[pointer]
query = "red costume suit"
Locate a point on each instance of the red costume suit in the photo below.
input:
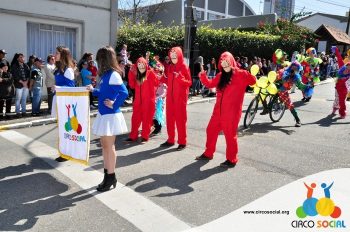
(178, 79)
(228, 108)
(144, 100)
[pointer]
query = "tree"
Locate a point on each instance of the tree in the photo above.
(139, 10)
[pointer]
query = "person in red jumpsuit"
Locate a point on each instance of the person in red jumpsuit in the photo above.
(231, 83)
(144, 81)
(178, 79)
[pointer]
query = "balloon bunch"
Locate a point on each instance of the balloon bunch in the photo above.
(265, 83)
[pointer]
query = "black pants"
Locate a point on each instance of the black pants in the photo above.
(8, 105)
(91, 100)
(50, 95)
(157, 126)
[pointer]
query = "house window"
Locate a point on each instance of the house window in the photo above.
(42, 39)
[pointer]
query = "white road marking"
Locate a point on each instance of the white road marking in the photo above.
(138, 210)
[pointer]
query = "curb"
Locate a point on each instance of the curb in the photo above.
(46, 121)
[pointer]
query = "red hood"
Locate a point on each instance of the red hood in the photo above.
(180, 56)
(229, 57)
(143, 61)
(140, 60)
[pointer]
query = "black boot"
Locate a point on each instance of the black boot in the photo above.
(104, 178)
(110, 180)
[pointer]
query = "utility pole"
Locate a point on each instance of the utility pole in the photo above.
(347, 29)
(113, 23)
(189, 30)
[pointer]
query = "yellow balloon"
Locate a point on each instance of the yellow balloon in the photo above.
(254, 69)
(262, 82)
(272, 89)
(74, 122)
(272, 76)
(256, 90)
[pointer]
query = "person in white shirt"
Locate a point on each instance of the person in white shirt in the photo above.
(49, 77)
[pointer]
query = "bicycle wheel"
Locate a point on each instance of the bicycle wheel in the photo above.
(251, 112)
(277, 109)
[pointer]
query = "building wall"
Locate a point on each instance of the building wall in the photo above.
(315, 21)
(171, 11)
(244, 22)
(168, 14)
(283, 8)
(91, 19)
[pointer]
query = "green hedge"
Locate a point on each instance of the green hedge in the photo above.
(212, 42)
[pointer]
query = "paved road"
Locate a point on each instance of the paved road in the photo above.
(175, 191)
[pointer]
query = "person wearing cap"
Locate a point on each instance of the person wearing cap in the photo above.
(7, 90)
(36, 83)
(20, 72)
(3, 59)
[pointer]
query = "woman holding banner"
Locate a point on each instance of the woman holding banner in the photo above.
(64, 76)
(109, 121)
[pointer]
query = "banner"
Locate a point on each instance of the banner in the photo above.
(73, 120)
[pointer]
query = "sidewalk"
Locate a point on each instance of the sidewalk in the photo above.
(45, 118)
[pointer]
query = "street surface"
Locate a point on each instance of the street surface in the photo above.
(162, 189)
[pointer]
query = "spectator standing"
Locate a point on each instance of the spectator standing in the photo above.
(198, 66)
(211, 67)
(7, 90)
(87, 77)
(36, 83)
(124, 53)
(3, 59)
(20, 72)
(49, 77)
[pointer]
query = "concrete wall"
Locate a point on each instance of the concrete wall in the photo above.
(316, 21)
(90, 18)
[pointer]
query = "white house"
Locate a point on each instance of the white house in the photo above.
(38, 26)
(314, 21)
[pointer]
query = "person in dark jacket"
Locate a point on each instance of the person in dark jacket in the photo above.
(3, 58)
(7, 89)
(20, 72)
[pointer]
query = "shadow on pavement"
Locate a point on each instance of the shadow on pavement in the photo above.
(328, 121)
(179, 181)
(25, 198)
(261, 128)
(134, 158)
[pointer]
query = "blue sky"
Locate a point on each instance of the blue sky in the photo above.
(337, 7)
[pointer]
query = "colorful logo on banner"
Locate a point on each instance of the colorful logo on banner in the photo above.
(323, 206)
(72, 122)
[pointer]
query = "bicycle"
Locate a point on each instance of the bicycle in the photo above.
(275, 107)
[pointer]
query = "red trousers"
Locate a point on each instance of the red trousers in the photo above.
(342, 92)
(176, 115)
(141, 116)
(230, 131)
